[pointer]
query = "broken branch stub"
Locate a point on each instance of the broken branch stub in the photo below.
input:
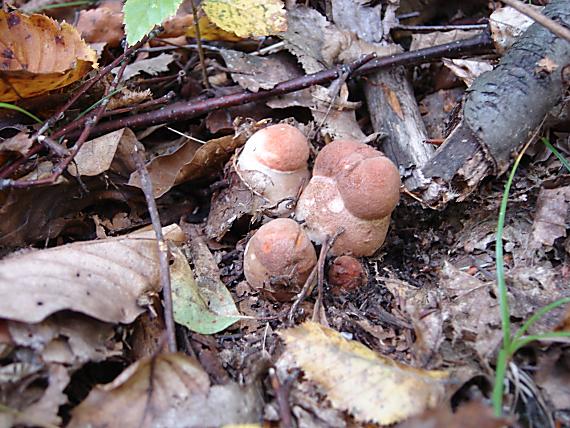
(501, 111)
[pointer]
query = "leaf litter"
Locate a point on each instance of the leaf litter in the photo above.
(82, 330)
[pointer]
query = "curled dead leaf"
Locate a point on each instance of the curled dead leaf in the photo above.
(39, 55)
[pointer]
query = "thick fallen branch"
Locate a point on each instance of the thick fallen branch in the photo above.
(501, 111)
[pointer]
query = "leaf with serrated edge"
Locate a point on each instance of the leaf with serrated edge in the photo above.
(247, 18)
(142, 15)
(387, 391)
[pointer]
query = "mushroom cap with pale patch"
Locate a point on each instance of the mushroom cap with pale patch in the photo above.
(352, 193)
(273, 162)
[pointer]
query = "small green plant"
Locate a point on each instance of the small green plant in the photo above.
(512, 343)
(21, 110)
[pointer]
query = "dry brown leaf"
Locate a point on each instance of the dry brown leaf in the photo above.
(101, 25)
(39, 55)
(151, 66)
(387, 391)
(254, 72)
(108, 279)
(97, 155)
(31, 406)
(67, 338)
(192, 161)
(166, 391)
(471, 415)
(551, 215)
(21, 143)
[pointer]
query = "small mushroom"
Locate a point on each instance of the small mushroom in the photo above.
(353, 191)
(346, 274)
(273, 163)
(279, 258)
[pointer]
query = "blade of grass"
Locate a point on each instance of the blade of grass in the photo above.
(525, 340)
(561, 158)
(21, 110)
(501, 370)
(59, 5)
(539, 314)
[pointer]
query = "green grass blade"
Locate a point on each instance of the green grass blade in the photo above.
(539, 314)
(21, 110)
(561, 158)
(525, 340)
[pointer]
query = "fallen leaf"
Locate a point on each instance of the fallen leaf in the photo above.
(97, 155)
(101, 25)
(507, 24)
(21, 143)
(107, 279)
(165, 391)
(427, 40)
(39, 55)
(150, 66)
(551, 215)
(201, 302)
(44, 408)
(210, 31)
(467, 69)
(388, 391)
(247, 18)
(470, 415)
(66, 338)
(254, 72)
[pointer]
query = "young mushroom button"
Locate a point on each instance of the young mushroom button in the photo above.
(273, 163)
(353, 191)
(279, 257)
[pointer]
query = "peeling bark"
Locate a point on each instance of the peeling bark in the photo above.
(501, 111)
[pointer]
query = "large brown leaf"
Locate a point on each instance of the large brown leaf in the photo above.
(104, 279)
(39, 55)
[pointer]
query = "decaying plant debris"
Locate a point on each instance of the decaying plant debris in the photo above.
(180, 247)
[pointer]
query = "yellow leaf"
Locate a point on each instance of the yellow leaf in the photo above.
(210, 31)
(39, 55)
(356, 379)
(247, 18)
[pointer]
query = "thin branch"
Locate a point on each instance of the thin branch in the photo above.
(199, 43)
(543, 20)
(146, 186)
(185, 110)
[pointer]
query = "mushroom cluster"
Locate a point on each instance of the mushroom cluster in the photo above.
(353, 191)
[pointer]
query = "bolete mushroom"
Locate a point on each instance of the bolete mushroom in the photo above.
(273, 163)
(279, 258)
(353, 191)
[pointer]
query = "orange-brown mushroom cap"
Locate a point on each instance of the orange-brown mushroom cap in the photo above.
(340, 155)
(280, 250)
(371, 190)
(280, 147)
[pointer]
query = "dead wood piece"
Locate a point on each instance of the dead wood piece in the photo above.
(501, 111)
(390, 97)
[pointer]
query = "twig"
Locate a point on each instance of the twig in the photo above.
(61, 167)
(282, 396)
(321, 275)
(146, 186)
(543, 20)
(188, 110)
(301, 296)
(429, 28)
(199, 43)
(6, 172)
